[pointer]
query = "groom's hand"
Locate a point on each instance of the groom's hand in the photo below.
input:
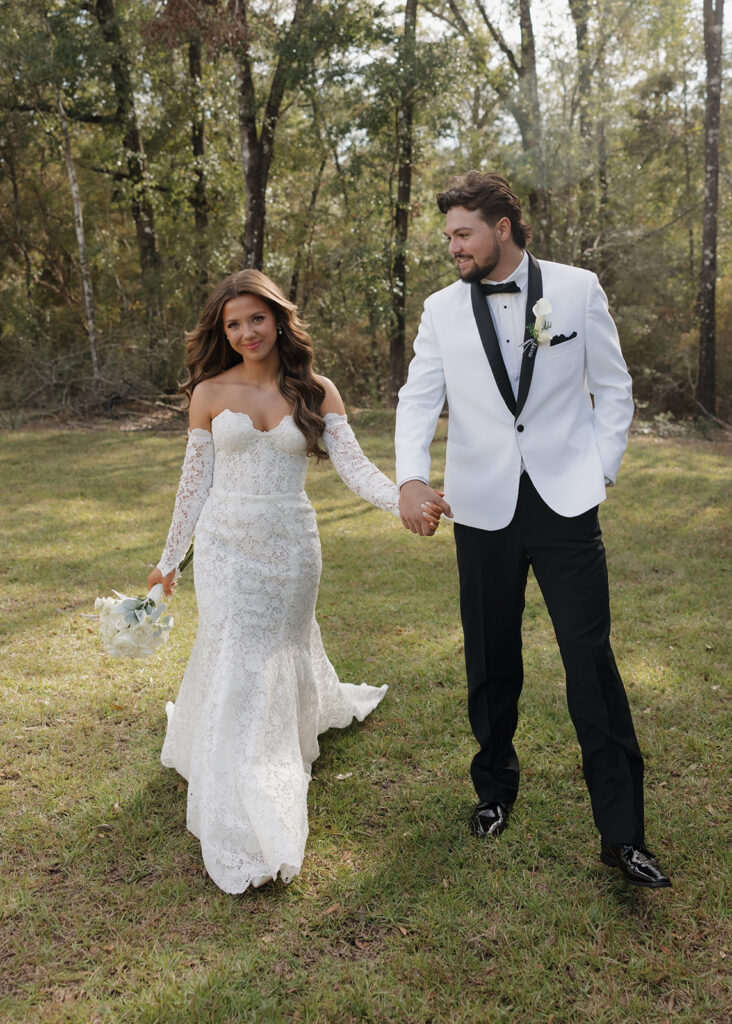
(414, 497)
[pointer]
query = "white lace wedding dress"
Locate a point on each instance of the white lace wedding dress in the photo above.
(258, 688)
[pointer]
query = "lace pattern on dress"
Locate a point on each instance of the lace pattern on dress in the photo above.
(354, 469)
(259, 688)
(195, 483)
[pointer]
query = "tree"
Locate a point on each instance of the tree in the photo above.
(404, 142)
(50, 53)
(351, 129)
(580, 11)
(706, 382)
(190, 23)
(143, 211)
(86, 282)
(257, 140)
(517, 87)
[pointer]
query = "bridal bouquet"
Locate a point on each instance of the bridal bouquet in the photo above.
(135, 627)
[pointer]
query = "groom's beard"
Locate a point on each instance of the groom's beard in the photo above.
(473, 271)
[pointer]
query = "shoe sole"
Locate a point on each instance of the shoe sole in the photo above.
(486, 835)
(482, 834)
(611, 863)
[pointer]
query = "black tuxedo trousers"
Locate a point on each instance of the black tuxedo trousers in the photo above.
(568, 559)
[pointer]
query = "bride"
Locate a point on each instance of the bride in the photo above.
(258, 688)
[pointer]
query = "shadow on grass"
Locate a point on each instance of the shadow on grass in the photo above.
(398, 913)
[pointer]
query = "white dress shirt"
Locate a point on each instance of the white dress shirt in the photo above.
(508, 310)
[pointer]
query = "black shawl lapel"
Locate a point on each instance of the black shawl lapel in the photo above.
(487, 331)
(533, 294)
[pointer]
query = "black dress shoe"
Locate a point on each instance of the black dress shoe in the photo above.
(489, 818)
(637, 865)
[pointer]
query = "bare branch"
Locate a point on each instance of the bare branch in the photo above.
(44, 107)
(499, 40)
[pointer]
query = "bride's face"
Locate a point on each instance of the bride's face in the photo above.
(250, 327)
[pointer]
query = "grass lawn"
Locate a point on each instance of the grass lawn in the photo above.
(398, 914)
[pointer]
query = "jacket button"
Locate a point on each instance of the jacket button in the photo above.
(520, 427)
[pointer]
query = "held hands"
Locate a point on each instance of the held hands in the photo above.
(157, 577)
(420, 507)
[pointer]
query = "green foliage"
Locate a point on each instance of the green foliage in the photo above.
(623, 165)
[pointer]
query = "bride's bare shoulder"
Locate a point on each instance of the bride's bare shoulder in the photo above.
(203, 401)
(222, 379)
(332, 401)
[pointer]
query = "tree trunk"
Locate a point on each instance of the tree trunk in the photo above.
(530, 86)
(198, 197)
(86, 284)
(405, 119)
(140, 203)
(257, 145)
(688, 129)
(603, 266)
(580, 10)
(255, 173)
(306, 232)
(19, 240)
(525, 109)
(706, 382)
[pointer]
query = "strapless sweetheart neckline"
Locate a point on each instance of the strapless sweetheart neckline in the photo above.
(233, 412)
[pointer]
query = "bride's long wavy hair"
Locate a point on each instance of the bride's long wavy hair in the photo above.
(208, 351)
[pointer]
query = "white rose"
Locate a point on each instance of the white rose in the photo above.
(145, 650)
(108, 632)
(117, 620)
(148, 637)
(544, 337)
(110, 621)
(104, 616)
(123, 645)
(141, 634)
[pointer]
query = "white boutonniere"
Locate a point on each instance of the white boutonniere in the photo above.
(539, 333)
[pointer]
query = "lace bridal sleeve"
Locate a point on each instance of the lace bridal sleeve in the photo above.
(354, 469)
(195, 483)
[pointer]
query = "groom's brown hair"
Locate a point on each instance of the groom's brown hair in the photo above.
(491, 195)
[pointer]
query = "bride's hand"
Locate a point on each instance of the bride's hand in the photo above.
(168, 581)
(432, 512)
(415, 498)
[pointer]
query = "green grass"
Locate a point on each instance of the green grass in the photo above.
(398, 915)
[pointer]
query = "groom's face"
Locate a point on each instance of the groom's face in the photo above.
(472, 243)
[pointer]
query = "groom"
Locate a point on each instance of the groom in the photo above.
(540, 405)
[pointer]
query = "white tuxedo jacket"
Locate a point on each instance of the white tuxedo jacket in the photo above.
(569, 423)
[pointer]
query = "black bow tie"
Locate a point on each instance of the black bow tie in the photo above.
(495, 289)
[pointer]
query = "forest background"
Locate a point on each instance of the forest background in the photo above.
(149, 148)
